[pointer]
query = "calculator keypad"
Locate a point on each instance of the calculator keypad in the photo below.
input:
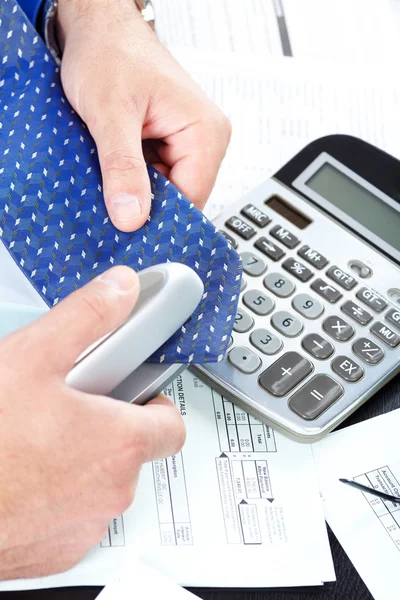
(317, 346)
(286, 323)
(315, 397)
(346, 281)
(279, 284)
(393, 316)
(288, 275)
(244, 359)
(297, 269)
(283, 235)
(266, 341)
(368, 351)
(371, 299)
(326, 291)
(255, 215)
(285, 374)
(252, 264)
(269, 249)
(258, 302)
(230, 239)
(387, 335)
(313, 257)
(243, 322)
(306, 305)
(356, 312)
(240, 227)
(347, 368)
(337, 328)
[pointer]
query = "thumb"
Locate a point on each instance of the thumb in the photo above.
(62, 334)
(126, 182)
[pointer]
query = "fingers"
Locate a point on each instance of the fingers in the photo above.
(61, 335)
(126, 184)
(153, 431)
(194, 155)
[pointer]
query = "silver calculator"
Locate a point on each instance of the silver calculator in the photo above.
(317, 330)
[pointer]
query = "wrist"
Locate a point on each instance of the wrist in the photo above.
(74, 14)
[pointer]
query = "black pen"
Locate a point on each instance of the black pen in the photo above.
(365, 488)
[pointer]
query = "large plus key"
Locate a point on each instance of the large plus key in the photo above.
(281, 377)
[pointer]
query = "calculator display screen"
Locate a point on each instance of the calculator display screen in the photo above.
(370, 211)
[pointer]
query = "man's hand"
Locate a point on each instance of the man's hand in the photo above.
(69, 462)
(127, 88)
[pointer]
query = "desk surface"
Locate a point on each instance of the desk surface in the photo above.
(348, 584)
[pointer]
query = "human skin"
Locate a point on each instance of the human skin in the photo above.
(138, 104)
(70, 461)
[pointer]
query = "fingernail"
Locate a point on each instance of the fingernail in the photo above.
(125, 207)
(122, 279)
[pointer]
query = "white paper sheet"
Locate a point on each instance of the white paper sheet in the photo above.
(359, 30)
(221, 513)
(137, 580)
(277, 107)
(367, 527)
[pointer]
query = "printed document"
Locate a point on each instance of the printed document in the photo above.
(367, 527)
(357, 30)
(277, 107)
(224, 512)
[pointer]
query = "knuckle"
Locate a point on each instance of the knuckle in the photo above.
(118, 161)
(94, 307)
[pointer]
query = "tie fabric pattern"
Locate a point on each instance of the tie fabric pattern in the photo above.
(53, 220)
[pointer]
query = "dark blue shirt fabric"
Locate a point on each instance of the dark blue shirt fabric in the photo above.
(31, 9)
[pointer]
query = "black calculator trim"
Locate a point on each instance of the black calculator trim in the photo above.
(374, 165)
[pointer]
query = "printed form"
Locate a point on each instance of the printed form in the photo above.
(277, 107)
(367, 527)
(364, 30)
(239, 506)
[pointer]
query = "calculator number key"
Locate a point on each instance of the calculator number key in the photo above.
(317, 346)
(347, 369)
(265, 341)
(385, 334)
(269, 248)
(315, 397)
(307, 306)
(337, 328)
(258, 302)
(255, 215)
(297, 269)
(279, 284)
(371, 299)
(325, 290)
(357, 313)
(287, 372)
(243, 322)
(286, 323)
(244, 360)
(368, 351)
(240, 227)
(313, 257)
(348, 282)
(283, 235)
(252, 264)
(393, 316)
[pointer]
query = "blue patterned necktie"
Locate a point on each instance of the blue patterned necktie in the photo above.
(53, 219)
